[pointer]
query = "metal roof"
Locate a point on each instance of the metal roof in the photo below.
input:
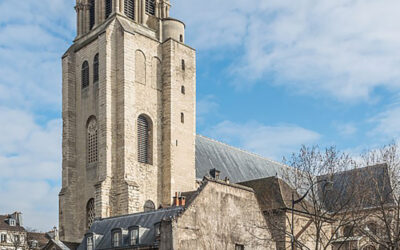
(147, 220)
(236, 164)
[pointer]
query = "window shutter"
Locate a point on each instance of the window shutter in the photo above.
(92, 13)
(96, 68)
(150, 7)
(108, 8)
(143, 140)
(130, 9)
(85, 74)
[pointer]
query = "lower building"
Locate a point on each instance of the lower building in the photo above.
(12, 234)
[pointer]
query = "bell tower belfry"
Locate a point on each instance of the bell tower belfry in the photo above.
(129, 90)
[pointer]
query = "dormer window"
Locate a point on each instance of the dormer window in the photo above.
(157, 230)
(134, 236)
(12, 222)
(89, 243)
(116, 237)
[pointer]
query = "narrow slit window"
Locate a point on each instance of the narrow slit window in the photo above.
(85, 74)
(181, 38)
(183, 65)
(130, 9)
(92, 13)
(183, 91)
(182, 118)
(96, 68)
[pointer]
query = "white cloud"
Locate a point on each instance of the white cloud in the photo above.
(346, 129)
(30, 167)
(269, 141)
(387, 123)
(341, 48)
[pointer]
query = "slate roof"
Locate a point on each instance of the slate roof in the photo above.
(234, 163)
(39, 237)
(359, 188)
(146, 220)
(273, 193)
(5, 226)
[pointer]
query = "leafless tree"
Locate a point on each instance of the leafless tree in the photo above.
(383, 224)
(328, 181)
(18, 241)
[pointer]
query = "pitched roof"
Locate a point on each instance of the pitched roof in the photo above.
(359, 188)
(39, 237)
(5, 226)
(145, 220)
(273, 193)
(234, 163)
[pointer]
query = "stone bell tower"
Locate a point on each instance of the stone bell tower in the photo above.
(129, 87)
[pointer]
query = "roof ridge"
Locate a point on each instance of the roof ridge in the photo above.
(242, 150)
(141, 213)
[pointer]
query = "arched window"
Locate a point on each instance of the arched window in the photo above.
(144, 139)
(92, 155)
(130, 9)
(92, 12)
(85, 74)
(96, 68)
(90, 213)
(149, 206)
(108, 9)
(151, 7)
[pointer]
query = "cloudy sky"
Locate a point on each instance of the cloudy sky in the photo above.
(272, 75)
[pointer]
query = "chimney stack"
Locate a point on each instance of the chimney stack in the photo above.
(179, 200)
(17, 216)
(215, 173)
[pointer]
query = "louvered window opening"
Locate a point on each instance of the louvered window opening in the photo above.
(143, 140)
(92, 142)
(108, 8)
(85, 74)
(96, 68)
(130, 9)
(90, 213)
(92, 13)
(150, 7)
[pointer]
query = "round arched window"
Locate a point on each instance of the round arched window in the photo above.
(149, 206)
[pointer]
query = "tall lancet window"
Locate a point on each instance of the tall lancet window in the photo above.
(92, 155)
(96, 68)
(92, 11)
(85, 74)
(130, 9)
(144, 129)
(90, 213)
(151, 7)
(108, 6)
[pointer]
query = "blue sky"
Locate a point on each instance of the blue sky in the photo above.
(271, 75)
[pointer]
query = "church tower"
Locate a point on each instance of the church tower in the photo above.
(129, 87)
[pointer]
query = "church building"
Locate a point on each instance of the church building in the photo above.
(135, 175)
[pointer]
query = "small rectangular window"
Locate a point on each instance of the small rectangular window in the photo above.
(183, 65)
(134, 235)
(116, 239)
(90, 243)
(239, 247)
(3, 238)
